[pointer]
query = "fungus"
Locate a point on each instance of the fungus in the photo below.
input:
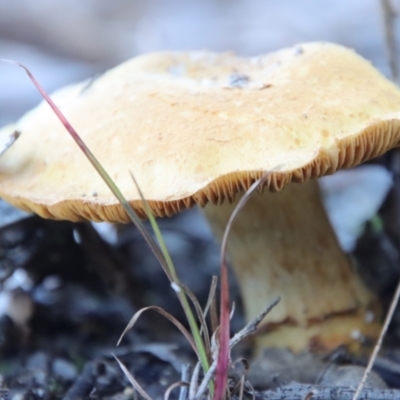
(200, 128)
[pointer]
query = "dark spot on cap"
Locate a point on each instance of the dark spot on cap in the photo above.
(238, 80)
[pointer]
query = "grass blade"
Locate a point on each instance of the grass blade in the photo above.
(165, 314)
(221, 375)
(201, 349)
(132, 380)
(201, 318)
(98, 167)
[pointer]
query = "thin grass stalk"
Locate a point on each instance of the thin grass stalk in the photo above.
(166, 315)
(202, 320)
(221, 378)
(201, 348)
(132, 380)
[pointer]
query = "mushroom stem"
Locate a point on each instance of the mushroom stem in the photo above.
(282, 244)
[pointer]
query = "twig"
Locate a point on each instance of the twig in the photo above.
(250, 328)
(184, 378)
(241, 387)
(389, 15)
(194, 381)
(378, 345)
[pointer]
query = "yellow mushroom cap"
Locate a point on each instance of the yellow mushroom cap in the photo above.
(195, 127)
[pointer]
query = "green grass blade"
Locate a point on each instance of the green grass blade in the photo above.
(181, 294)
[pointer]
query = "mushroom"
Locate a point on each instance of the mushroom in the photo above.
(200, 128)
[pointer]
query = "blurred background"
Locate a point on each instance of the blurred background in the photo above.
(64, 41)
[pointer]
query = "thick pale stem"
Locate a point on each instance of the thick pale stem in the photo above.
(282, 244)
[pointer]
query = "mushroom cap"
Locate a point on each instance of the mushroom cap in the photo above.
(195, 127)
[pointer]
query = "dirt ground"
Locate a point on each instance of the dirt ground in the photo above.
(62, 306)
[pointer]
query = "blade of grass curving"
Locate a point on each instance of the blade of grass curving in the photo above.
(202, 320)
(156, 230)
(165, 314)
(132, 380)
(221, 376)
(201, 353)
(98, 167)
(174, 386)
(201, 346)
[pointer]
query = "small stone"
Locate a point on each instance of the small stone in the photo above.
(37, 362)
(64, 369)
(276, 367)
(350, 376)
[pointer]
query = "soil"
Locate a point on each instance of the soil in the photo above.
(70, 293)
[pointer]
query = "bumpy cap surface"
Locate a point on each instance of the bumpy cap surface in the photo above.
(198, 126)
